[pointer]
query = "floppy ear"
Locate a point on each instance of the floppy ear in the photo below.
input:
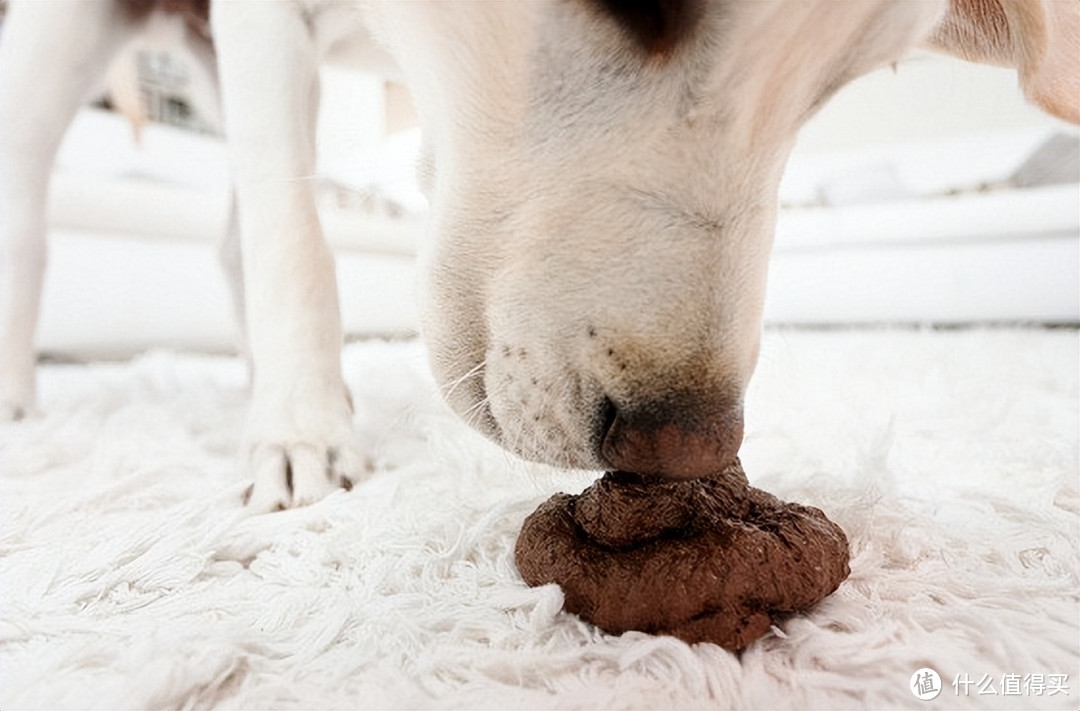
(1041, 38)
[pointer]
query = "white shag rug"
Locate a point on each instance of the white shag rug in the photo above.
(132, 577)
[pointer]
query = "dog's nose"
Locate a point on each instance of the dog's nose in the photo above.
(678, 438)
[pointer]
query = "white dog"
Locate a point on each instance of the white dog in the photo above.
(602, 177)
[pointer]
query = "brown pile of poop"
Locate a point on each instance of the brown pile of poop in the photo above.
(706, 560)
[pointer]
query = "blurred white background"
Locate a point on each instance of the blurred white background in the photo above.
(919, 195)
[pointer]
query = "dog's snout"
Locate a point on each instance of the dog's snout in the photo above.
(678, 438)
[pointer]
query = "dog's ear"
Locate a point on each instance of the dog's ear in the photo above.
(1041, 38)
(656, 26)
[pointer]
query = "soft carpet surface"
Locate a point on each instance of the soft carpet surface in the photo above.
(132, 576)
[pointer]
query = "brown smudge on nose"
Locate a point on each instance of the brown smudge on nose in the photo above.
(680, 438)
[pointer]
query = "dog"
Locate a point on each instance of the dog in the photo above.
(602, 178)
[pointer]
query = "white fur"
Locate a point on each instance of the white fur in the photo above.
(30, 134)
(578, 191)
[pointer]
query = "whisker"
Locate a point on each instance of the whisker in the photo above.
(476, 370)
(472, 410)
(471, 417)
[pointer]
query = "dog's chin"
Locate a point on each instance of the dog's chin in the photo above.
(540, 440)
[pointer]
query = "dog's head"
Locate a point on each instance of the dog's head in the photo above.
(603, 189)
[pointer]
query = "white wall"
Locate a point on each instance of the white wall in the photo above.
(926, 97)
(886, 152)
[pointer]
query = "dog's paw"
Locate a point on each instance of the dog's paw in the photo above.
(299, 454)
(299, 473)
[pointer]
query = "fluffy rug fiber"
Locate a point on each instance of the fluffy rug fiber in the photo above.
(132, 577)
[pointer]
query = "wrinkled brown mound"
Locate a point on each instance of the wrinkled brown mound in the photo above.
(706, 560)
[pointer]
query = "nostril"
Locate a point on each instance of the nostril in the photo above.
(606, 428)
(608, 414)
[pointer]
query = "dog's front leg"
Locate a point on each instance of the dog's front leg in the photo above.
(299, 440)
(52, 55)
